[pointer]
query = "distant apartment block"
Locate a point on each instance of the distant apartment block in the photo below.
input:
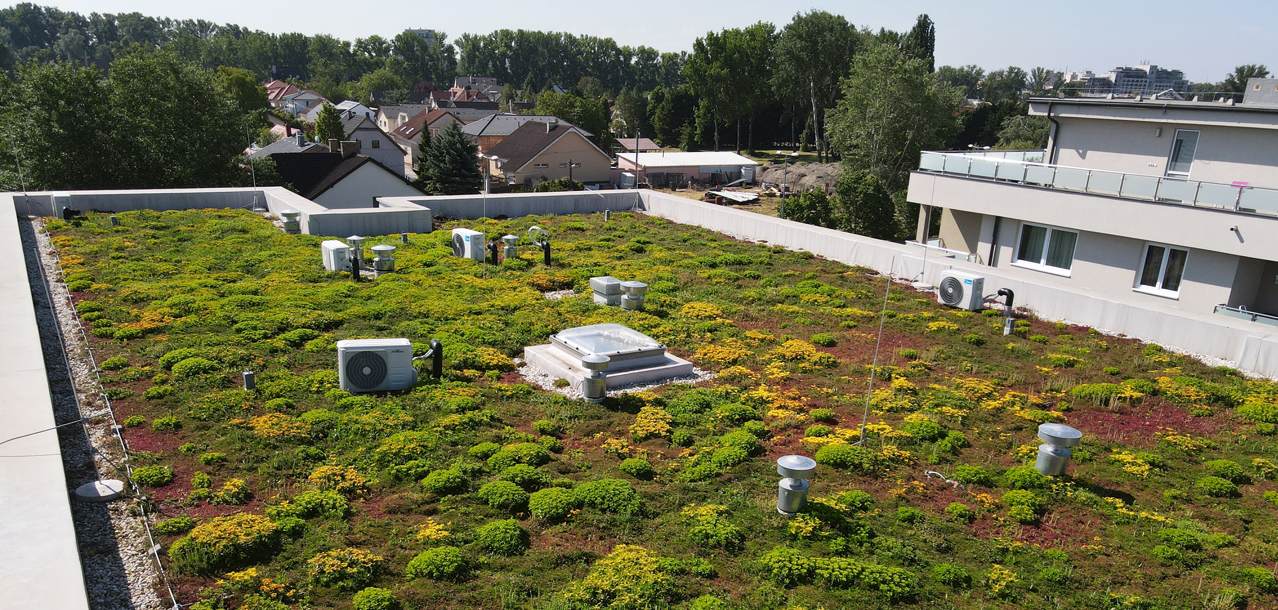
(1127, 81)
(1167, 204)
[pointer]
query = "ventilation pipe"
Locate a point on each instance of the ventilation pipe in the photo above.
(634, 295)
(383, 258)
(792, 489)
(1008, 298)
(250, 380)
(511, 251)
(115, 220)
(595, 387)
(291, 222)
(436, 355)
(357, 255)
(1054, 453)
(494, 250)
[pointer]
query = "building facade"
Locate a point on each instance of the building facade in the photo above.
(1168, 204)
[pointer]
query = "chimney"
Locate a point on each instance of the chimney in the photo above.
(551, 125)
(332, 145)
(349, 148)
(301, 139)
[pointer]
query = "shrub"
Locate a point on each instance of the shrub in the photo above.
(787, 566)
(551, 504)
(909, 514)
(483, 450)
(342, 479)
(614, 496)
(1024, 477)
(153, 476)
(742, 440)
(822, 415)
(824, 339)
(973, 339)
(311, 503)
(974, 475)
(114, 363)
(638, 468)
(503, 495)
(175, 525)
(212, 458)
(374, 598)
(234, 492)
(192, 367)
(708, 526)
(727, 457)
(960, 512)
(708, 602)
(1229, 470)
(503, 537)
(1098, 393)
(848, 457)
(1259, 411)
(133, 421)
(1216, 487)
(519, 453)
(225, 542)
(1169, 555)
(157, 392)
(856, 500)
(628, 577)
(1262, 579)
(445, 481)
(438, 563)
(527, 477)
(345, 568)
(1023, 506)
(951, 575)
(166, 423)
(650, 422)
(547, 427)
(923, 430)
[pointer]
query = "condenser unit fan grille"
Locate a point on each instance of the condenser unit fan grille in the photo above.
(366, 370)
(951, 291)
(459, 245)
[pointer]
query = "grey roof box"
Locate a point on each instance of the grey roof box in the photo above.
(605, 285)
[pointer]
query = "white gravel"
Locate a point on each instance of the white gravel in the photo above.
(119, 571)
(546, 381)
(555, 295)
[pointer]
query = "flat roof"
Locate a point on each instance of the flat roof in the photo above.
(42, 562)
(1156, 104)
(685, 159)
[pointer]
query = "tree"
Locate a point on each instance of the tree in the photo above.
(671, 112)
(920, 42)
(751, 51)
(1023, 132)
(811, 55)
(241, 86)
(968, 78)
(1041, 79)
(187, 138)
(708, 72)
(58, 116)
(1236, 81)
(630, 114)
(328, 125)
(382, 86)
(590, 114)
(419, 159)
(450, 166)
(892, 109)
(811, 206)
(1004, 85)
(865, 206)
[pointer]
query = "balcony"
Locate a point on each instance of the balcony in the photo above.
(1027, 168)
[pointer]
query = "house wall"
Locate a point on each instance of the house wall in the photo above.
(595, 166)
(960, 230)
(378, 145)
(361, 188)
(1224, 154)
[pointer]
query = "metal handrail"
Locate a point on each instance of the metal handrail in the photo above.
(1255, 316)
(1163, 189)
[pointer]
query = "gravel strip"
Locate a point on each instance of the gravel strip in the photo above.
(555, 295)
(119, 571)
(546, 381)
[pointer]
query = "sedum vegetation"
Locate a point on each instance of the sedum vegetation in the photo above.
(479, 490)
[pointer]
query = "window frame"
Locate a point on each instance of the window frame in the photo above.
(1158, 289)
(1042, 265)
(1175, 138)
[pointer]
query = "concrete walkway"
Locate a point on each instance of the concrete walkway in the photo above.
(41, 564)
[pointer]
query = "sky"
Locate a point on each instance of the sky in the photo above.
(1205, 39)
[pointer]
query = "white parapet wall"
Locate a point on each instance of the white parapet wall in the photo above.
(512, 205)
(1250, 347)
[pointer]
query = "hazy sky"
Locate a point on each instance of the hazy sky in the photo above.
(1205, 39)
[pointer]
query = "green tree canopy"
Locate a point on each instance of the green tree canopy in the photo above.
(812, 54)
(1236, 81)
(241, 86)
(450, 166)
(328, 125)
(1023, 132)
(892, 109)
(920, 41)
(865, 206)
(59, 118)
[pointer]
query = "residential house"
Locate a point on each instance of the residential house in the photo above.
(680, 168)
(391, 117)
(638, 145)
(301, 102)
(1160, 203)
(467, 111)
(293, 144)
(372, 140)
(277, 89)
(540, 151)
(409, 134)
(342, 179)
(492, 129)
(475, 88)
(346, 108)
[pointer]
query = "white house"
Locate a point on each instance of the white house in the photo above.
(346, 108)
(678, 168)
(1163, 203)
(341, 179)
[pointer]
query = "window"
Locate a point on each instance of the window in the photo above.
(1161, 270)
(1045, 249)
(377, 143)
(1182, 152)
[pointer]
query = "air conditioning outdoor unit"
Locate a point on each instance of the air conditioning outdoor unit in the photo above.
(375, 365)
(962, 290)
(337, 256)
(469, 244)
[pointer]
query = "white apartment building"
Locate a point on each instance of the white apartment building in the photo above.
(1164, 204)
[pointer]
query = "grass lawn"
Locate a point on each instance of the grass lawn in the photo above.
(481, 491)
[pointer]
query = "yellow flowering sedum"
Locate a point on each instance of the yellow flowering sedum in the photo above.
(650, 422)
(432, 531)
